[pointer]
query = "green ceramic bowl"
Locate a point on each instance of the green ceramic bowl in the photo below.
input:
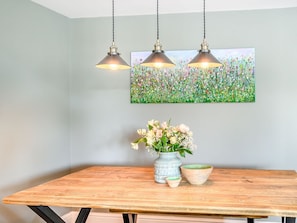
(196, 174)
(173, 181)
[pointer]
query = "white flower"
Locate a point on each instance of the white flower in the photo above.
(153, 122)
(134, 146)
(150, 137)
(173, 140)
(141, 132)
(164, 125)
(183, 128)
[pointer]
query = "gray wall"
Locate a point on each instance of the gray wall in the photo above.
(34, 96)
(261, 134)
(47, 62)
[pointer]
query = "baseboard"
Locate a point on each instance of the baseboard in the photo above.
(96, 217)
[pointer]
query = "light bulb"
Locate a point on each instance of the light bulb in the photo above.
(113, 66)
(204, 65)
(158, 65)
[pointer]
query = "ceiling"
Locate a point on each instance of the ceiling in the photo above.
(102, 8)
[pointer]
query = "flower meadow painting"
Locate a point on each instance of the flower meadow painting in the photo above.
(232, 82)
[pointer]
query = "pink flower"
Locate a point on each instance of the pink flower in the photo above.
(159, 133)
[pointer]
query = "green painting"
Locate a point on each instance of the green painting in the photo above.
(232, 82)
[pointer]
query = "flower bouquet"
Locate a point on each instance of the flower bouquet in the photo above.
(163, 137)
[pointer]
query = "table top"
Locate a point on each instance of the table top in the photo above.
(229, 192)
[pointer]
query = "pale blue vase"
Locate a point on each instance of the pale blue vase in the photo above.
(167, 165)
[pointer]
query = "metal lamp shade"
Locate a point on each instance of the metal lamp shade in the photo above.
(112, 62)
(157, 59)
(204, 60)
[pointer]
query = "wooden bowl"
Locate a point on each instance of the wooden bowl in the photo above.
(196, 174)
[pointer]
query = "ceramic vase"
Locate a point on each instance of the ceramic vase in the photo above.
(167, 165)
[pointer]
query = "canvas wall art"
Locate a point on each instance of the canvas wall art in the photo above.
(233, 82)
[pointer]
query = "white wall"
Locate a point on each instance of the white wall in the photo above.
(260, 134)
(34, 111)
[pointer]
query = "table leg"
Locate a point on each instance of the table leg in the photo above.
(49, 216)
(83, 215)
(289, 219)
(250, 220)
(130, 218)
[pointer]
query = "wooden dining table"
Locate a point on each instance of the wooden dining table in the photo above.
(249, 193)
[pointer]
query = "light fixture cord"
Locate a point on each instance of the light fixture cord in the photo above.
(157, 19)
(204, 18)
(112, 21)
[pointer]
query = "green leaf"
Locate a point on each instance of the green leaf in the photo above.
(182, 153)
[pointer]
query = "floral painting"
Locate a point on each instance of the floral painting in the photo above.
(232, 82)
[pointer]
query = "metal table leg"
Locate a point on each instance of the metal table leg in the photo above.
(49, 216)
(289, 219)
(83, 215)
(250, 220)
(129, 218)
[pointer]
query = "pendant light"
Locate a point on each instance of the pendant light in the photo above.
(113, 61)
(204, 59)
(157, 59)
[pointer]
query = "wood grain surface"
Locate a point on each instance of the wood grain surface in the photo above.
(228, 192)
